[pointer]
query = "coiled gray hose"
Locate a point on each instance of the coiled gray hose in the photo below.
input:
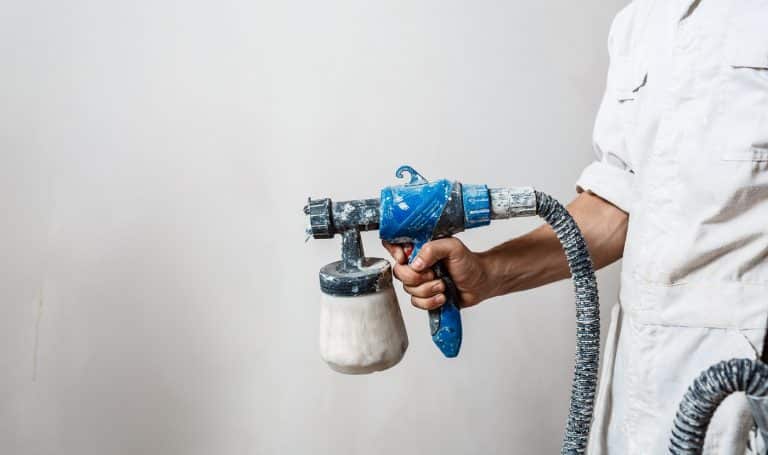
(584, 384)
(705, 395)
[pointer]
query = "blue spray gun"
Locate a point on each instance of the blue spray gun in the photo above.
(361, 326)
(417, 212)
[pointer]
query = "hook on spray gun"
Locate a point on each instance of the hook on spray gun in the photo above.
(416, 178)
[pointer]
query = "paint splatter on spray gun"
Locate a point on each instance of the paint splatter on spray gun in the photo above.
(361, 327)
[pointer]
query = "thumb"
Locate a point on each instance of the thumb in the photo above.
(434, 251)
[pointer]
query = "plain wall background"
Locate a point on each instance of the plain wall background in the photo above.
(156, 296)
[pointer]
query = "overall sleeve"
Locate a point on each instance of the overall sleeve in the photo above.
(611, 175)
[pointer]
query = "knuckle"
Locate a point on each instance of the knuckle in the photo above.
(423, 278)
(422, 290)
(415, 301)
(400, 256)
(407, 277)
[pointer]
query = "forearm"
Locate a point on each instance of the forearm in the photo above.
(536, 258)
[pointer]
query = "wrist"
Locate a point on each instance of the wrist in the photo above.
(497, 279)
(518, 264)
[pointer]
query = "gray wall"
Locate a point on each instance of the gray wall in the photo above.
(156, 296)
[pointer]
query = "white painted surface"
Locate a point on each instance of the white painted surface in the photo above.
(156, 295)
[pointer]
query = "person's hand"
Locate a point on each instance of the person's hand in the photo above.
(467, 269)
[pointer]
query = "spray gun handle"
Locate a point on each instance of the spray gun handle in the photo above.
(445, 321)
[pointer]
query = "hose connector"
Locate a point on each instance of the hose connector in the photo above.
(512, 202)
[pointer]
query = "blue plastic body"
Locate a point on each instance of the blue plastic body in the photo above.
(410, 214)
(477, 205)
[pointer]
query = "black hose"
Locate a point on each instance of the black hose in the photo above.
(705, 395)
(584, 386)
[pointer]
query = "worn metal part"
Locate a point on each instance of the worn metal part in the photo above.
(512, 202)
(584, 385)
(354, 274)
(352, 253)
(705, 395)
(320, 220)
(373, 275)
(451, 219)
(327, 218)
(359, 214)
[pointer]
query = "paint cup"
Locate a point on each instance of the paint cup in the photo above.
(361, 326)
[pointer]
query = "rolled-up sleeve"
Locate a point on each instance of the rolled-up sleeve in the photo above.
(611, 175)
(609, 182)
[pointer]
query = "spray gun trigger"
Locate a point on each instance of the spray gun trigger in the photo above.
(408, 250)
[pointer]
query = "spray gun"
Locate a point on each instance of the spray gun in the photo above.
(416, 212)
(361, 327)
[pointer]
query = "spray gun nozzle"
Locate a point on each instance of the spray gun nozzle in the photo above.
(327, 218)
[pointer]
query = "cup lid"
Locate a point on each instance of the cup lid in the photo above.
(374, 275)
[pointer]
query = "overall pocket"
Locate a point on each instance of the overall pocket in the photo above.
(746, 87)
(631, 78)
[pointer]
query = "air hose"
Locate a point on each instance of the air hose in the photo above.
(705, 395)
(584, 385)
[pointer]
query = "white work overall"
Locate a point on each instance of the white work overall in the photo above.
(682, 146)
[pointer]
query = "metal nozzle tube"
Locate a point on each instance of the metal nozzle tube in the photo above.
(327, 218)
(359, 214)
